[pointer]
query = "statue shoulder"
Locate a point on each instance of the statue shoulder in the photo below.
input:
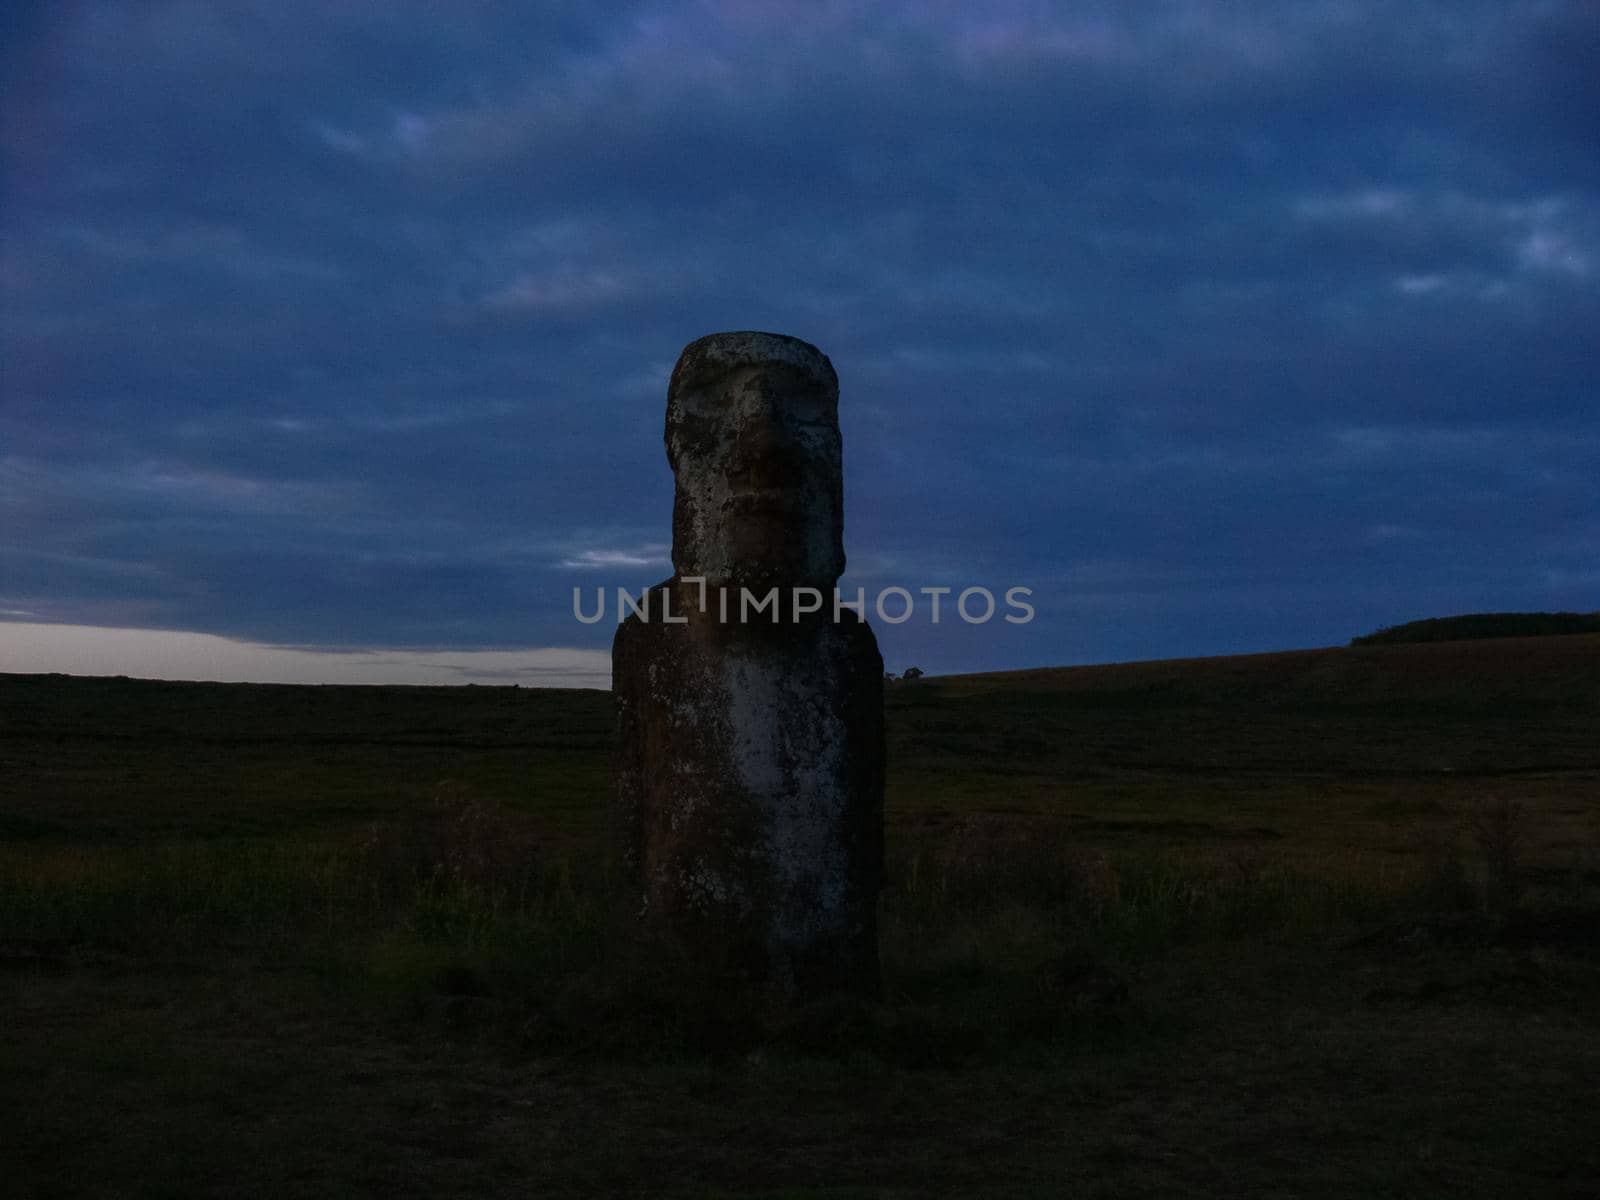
(633, 632)
(858, 636)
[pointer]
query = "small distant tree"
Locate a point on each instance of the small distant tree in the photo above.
(912, 673)
(890, 677)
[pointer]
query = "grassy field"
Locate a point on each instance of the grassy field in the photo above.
(1324, 923)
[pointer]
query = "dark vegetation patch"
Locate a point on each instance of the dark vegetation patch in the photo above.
(1483, 625)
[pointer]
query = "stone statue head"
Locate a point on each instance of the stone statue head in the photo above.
(753, 439)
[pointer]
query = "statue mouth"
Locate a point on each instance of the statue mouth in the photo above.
(763, 500)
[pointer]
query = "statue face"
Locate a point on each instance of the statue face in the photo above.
(753, 438)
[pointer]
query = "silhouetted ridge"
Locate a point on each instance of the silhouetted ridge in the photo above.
(1482, 625)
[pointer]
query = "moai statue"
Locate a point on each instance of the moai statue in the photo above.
(749, 788)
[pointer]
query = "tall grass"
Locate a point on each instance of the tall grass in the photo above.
(991, 935)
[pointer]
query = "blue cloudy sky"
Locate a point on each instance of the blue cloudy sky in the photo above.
(1222, 326)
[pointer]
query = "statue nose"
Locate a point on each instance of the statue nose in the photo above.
(766, 453)
(764, 426)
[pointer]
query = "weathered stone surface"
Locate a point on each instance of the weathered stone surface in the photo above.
(749, 780)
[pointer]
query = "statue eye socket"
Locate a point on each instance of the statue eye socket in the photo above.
(704, 402)
(801, 405)
(808, 408)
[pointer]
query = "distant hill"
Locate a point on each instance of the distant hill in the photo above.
(1480, 708)
(1483, 625)
(1471, 678)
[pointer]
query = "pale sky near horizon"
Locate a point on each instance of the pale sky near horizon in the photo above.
(1223, 325)
(27, 648)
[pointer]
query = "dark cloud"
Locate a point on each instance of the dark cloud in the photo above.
(1223, 326)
